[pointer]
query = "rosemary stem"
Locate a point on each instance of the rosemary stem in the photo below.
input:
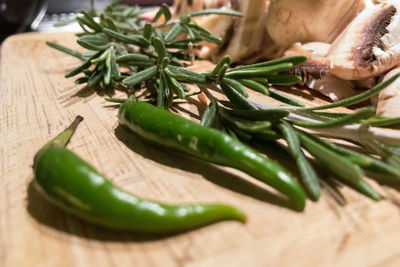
(210, 96)
(361, 134)
(355, 132)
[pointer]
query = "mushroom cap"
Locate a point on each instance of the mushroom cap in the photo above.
(246, 36)
(305, 21)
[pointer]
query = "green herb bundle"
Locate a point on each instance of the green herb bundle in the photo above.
(155, 55)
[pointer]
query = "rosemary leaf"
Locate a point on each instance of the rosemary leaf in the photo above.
(332, 161)
(164, 10)
(140, 76)
(66, 50)
(259, 114)
(255, 86)
(236, 98)
(215, 12)
(259, 72)
(209, 114)
(236, 85)
(284, 98)
(81, 67)
(135, 39)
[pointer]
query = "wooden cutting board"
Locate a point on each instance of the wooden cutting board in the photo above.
(37, 102)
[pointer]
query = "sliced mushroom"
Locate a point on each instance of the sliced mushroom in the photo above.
(316, 66)
(246, 34)
(267, 30)
(219, 26)
(305, 21)
(319, 49)
(216, 24)
(370, 45)
(244, 39)
(370, 3)
(365, 83)
(389, 98)
(316, 71)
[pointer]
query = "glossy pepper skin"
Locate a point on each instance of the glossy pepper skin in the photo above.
(167, 129)
(75, 186)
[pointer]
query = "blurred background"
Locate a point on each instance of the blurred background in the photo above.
(66, 6)
(18, 16)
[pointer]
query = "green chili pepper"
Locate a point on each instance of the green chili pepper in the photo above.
(165, 128)
(76, 187)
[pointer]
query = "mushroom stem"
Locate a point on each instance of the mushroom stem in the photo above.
(389, 98)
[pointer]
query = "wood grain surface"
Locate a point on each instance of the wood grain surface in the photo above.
(37, 102)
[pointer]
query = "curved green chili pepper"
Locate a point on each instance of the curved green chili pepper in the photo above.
(165, 128)
(76, 187)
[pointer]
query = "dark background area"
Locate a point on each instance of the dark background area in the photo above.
(24, 15)
(67, 6)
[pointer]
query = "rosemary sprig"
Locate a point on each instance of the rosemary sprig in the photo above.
(155, 55)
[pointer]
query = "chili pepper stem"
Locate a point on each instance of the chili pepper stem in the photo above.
(63, 137)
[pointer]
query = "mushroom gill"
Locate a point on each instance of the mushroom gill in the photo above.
(370, 45)
(315, 72)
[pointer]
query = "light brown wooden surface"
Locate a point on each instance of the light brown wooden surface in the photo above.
(37, 102)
